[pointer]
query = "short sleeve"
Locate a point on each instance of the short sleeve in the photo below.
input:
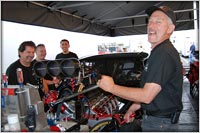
(160, 70)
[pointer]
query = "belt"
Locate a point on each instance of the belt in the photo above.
(173, 116)
(156, 114)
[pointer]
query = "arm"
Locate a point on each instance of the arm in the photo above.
(45, 86)
(134, 107)
(141, 95)
(54, 81)
(46, 82)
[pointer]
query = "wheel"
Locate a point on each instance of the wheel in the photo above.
(106, 126)
(195, 90)
(99, 126)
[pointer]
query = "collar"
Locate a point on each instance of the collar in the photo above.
(162, 43)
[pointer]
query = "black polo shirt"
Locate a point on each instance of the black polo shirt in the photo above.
(27, 74)
(164, 68)
(69, 55)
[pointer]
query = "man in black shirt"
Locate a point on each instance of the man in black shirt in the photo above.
(64, 44)
(48, 81)
(160, 95)
(26, 53)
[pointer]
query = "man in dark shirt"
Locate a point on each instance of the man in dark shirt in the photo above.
(160, 95)
(48, 81)
(64, 44)
(26, 53)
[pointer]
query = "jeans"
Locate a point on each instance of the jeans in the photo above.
(157, 124)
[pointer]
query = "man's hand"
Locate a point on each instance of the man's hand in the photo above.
(56, 81)
(106, 83)
(131, 110)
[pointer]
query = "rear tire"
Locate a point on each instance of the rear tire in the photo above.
(99, 126)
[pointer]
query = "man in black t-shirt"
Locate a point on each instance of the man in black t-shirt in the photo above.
(160, 95)
(64, 45)
(26, 53)
(48, 81)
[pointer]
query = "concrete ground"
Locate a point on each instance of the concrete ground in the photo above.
(189, 118)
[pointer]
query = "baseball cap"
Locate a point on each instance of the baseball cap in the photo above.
(168, 11)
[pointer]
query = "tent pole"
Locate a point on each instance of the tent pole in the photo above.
(196, 26)
(143, 15)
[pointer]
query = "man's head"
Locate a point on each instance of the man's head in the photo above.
(161, 24)
(40, 52)
(168, 11)
(64, 45)
(26, 52)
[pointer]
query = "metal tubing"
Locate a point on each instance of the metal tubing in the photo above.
(73, 95)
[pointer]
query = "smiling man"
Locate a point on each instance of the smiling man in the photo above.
(160, 95)
(26, 53)
(64, 45)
